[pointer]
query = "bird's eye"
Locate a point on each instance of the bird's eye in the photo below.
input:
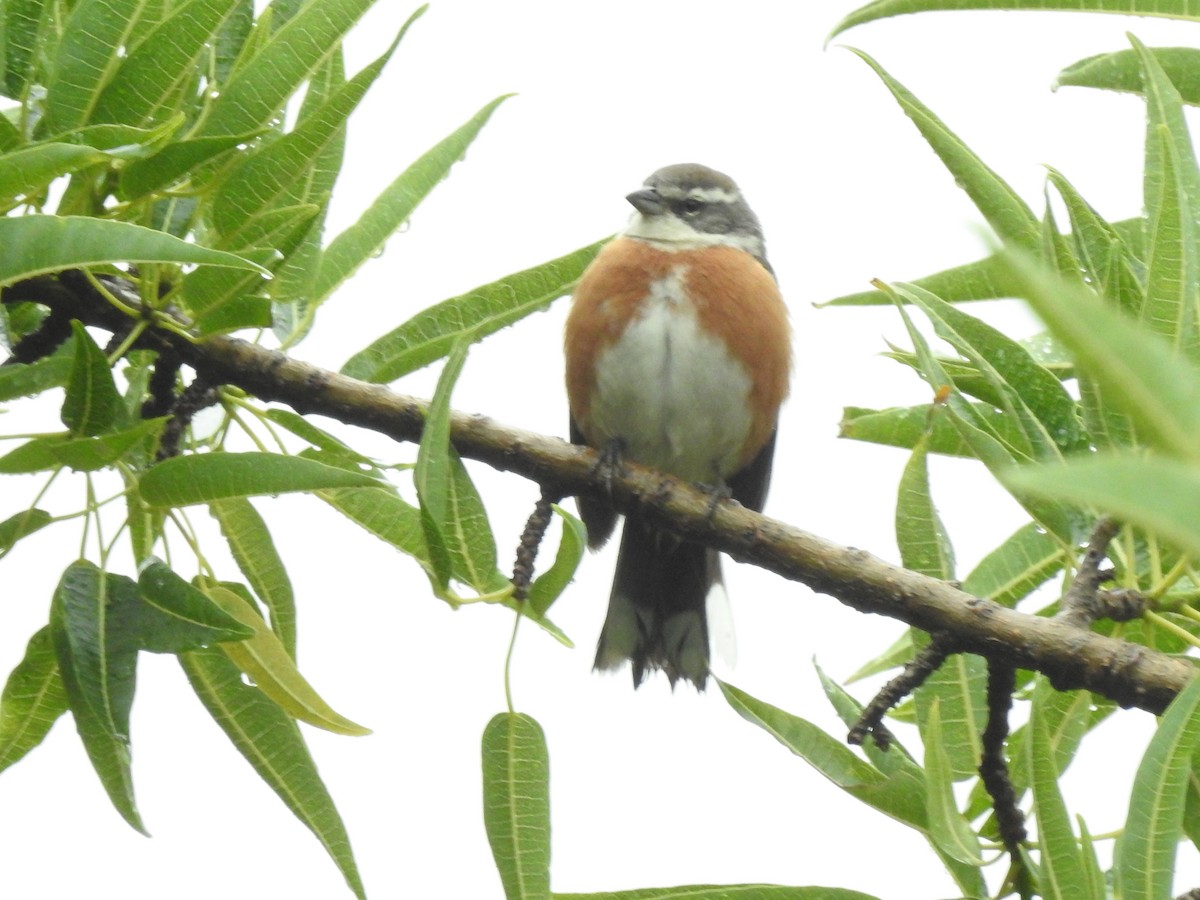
(692, 205)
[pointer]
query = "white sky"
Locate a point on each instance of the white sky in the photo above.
(648, 789)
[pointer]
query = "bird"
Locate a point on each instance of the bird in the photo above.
(678, 357)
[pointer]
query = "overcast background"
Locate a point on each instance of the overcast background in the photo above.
(652, 788)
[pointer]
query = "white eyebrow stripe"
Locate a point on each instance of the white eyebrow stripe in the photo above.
(708, 195)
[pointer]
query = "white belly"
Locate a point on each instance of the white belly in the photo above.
(676, 396)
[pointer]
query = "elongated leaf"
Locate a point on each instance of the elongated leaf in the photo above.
(1004, 210)
(92, 404)
(1156, 493)
(976, 432)
(18, 41)
(270, 176)
(188, 619)
(516, 804)
(894, 762)
(392, 208)
(1122, 71)
(22, 525)
(431, 333)
(1172, 188)
(264, 659)
(1138, 370)
(1025, 560)
(384, 514)
(1029, 393)
(433, 476)
(95, 643)
(903, 426)
(947, 828)
(34, 245)
(86, 58)
(548, 586)
(922, 538)
(270, 741)
(882, 9)
(900, 795)
(254, 551)
(26, 172)
(33, 699)
(257, 90)
(201, 478)
(173, 162)
(1144, 859)
(148, 82)
(83, 454)
(1062, 873)
(1101, 249)
(25, 380)
(985, 279)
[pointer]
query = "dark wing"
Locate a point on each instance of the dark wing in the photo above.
(749, 485)
(599, 517)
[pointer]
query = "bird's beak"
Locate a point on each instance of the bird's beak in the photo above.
(647, 202)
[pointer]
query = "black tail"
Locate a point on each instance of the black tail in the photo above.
(657, 611)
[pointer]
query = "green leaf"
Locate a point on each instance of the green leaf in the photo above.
(254, 551)
(270, 741)
(86, 58)
(1159, 494)
(392, 208)
(19, 27)
(1009, 573)
(1031, 395)
(384, 514)
(1097, 884)
(83, 454)
(1122, 71)
(22, 525)
(1171, 188)
(1062, 872)
(882, 9)
(1004, 210)
(1137, 369)
(258, 89)
(976, 431)
(150, 82)
(276, 173)
(900, 795)
(188, 619)
(27, 379)
(1144, 858)
(433, 476)
(95, 641)
(265, 660)
(903, 426)
(516, 804)
(173, 162)
(894, 762)
(201, 478)
(92, 404)
(548, 586)
(947, 827)
(34, 245)
(33, 699)
(1101, 249)
(431, 333)
(224, 299)
(26, 172)
(922, 538)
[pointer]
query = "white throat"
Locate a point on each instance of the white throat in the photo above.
(672, 233)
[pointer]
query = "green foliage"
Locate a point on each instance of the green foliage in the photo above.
(164, 159)
(175, 162)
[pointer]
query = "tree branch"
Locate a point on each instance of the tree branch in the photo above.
(1130, 674)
